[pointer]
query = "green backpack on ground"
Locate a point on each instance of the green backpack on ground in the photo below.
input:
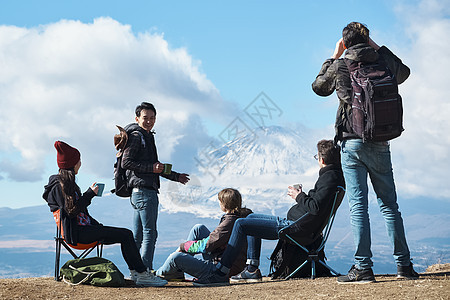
(96, 271)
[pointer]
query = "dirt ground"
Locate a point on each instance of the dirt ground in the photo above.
(433, 284)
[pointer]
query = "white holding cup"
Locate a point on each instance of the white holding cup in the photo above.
(297, 186)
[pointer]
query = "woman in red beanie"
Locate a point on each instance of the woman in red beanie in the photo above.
(62, 193)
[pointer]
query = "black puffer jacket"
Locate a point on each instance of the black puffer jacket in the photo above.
(53, 196)
(138, 158)
(334, 75)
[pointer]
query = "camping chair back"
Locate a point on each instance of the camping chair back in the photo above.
(60, 241)
(295, 233)
(339, 196)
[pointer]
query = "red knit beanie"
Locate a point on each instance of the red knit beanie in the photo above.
(67, 156)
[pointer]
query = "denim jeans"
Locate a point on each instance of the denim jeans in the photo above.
(145, 203)
(360, 159)
(253, 228)
(199, 232)
(180, 262)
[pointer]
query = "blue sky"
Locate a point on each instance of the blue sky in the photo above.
(71, 70)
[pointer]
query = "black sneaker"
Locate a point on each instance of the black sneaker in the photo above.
(406, 272)
(212, 279)
(357, 276)
(247, 276)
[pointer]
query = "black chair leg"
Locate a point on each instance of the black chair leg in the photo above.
(330, 268)
(57, 258)
(313, 269)
(100, 250)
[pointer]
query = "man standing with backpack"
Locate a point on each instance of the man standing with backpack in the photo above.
(143, 169)
(365, 106)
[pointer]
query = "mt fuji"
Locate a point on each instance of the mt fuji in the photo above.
(260, 164)
(268, 150)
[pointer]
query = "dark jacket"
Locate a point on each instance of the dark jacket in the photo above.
(217, 241)
(138, 158)
(53, 196)
(318, 201)
(334, 75)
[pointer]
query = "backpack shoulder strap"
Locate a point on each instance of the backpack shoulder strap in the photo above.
(141, 136)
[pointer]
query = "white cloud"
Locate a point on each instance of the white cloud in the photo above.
(421, 155)
(74, 81)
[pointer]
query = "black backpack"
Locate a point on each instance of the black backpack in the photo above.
(121, 187)
(377, 111)
(287, 257)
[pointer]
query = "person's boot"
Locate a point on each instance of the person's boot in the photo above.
(407, 272)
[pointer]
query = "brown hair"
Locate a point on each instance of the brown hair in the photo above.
(329, 152)
(231, 200)
(69, 190)
(355, 33)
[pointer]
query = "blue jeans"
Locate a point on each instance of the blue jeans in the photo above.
(178, 262)
(374, 159)
(199, 232)
(253, 228)
(145, 203)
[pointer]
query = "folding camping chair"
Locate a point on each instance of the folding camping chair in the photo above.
(295, 233)
(59, 239)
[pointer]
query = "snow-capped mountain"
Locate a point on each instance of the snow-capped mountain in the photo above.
(260, 164)
(267, 150)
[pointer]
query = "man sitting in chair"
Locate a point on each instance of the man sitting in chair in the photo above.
(255, 227)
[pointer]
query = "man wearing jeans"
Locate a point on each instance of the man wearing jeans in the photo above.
(361, 158)
(140, 159)
(318, 202)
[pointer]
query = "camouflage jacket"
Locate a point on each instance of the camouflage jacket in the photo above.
(334, 75)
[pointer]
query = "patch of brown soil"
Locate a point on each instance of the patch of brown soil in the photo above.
(434, 284)
(438, 268)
